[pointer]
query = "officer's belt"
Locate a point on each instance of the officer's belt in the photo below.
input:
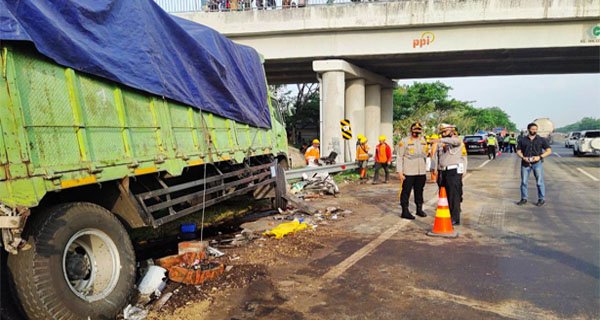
(452, 167)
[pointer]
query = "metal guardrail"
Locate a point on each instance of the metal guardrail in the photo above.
(333, 168)
(297, 173)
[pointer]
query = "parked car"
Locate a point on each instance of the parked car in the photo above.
(572, 138)
(475, 144)
(588, 142)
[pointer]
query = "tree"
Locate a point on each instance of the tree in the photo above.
(431, 104)
(586, 123)
(300, 107)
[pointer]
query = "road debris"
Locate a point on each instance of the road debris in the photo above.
(134, 313)
(162, 301)
(286, 228)
(319, 183)
(152, 280)
(192, 265)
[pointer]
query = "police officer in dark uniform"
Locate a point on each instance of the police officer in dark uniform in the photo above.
(451, 166)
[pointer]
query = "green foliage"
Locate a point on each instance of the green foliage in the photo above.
(431, 104)
(586, 123)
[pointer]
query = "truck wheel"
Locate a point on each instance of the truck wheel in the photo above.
(81, 264)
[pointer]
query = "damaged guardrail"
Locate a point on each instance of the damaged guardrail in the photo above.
(332, 168)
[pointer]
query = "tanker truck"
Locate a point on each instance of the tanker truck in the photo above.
(115, 116)
(545, 128)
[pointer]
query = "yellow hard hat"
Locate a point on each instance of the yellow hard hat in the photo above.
(316, 141)
(382, 138)
(362, 139)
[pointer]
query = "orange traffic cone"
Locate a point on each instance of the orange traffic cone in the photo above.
(442, 225)
(433, 177)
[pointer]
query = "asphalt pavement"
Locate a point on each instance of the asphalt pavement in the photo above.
(509, 262)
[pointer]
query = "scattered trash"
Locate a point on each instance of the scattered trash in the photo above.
(228, 268)
(188, 231)
(198, 247)
(134, 313)
(212, 252)
(152, 280)
(286, 228)
(161, 302)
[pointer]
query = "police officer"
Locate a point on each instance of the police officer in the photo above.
(451, 166)
(411, 168)
(491, 145)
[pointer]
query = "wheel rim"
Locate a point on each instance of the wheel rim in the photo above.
(91, 264)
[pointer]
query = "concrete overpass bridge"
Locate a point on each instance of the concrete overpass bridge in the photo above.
(355, 50)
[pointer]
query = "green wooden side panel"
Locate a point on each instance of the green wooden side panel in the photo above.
(62, 129)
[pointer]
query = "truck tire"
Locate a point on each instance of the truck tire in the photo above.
(81, 264)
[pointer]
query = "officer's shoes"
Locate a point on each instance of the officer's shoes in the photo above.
(455, 223)
(407, 216)
(522, 202)
(540, 203)
(421, 213)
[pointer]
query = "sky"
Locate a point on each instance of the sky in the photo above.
(564, 99)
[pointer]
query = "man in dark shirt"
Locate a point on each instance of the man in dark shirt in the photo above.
(532, 149)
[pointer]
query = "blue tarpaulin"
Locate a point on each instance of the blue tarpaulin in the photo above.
(136, 43)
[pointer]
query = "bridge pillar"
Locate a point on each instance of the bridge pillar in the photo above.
(360, 102)
(333, 89)
(373, 113)
(387, 115)
(355, 112)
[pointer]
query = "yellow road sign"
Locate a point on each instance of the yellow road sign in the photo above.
(346, 129)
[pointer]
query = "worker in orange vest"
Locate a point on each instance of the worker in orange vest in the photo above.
(383, 159)
(313, 154)
(362, 156)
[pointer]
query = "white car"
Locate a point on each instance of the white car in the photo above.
(572, 138)
(588, 142)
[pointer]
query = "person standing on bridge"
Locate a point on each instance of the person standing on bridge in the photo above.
(383, 158)
(313, 154)
(451, 166)
(411, 165)
(532, 150)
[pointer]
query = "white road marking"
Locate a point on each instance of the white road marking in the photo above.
(484, 163)
(364, 251)
(587, 174)
(558, 155)
(512, 309)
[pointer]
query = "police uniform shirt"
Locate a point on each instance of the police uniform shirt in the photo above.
(449, 152)
(532, 148)
(411, 156)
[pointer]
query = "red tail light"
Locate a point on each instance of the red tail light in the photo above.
(481, 141)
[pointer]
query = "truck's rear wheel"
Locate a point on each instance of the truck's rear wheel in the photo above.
(81, 264)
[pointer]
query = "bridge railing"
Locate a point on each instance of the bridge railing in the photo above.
(178, 6)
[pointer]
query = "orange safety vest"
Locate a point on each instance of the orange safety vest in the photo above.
(312, 152)
(382, 156)
(362, 152)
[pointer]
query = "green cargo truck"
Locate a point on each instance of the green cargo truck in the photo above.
(84, 160)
